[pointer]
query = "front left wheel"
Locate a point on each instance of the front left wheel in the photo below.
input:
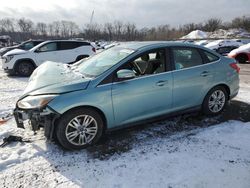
(79, 128)
(24, 68)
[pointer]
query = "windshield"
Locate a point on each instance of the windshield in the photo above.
(101, 62)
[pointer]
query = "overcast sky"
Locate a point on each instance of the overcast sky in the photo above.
(141, 12)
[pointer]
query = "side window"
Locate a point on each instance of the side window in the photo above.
(211, 57)
(37, 42)
(186, 57)
(148, 63)
(78, 44)
(67, 45)
(28, 45)
(225, 50)
(48, 47)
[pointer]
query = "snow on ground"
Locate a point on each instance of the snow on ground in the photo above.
(180, 152)
(10, 90)
(244, 93)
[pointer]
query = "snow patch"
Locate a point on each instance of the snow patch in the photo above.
(220, 33)
(197, 34)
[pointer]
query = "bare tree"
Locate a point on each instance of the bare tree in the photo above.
(73, 28)
(7, 25)
(22, 29)
(41, 28)
(212, 24)
(25, 25)
(118, 25)
(241, 22)
(56, 28)
(108, 27)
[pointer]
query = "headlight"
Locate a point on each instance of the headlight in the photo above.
(8, 58)
(35, 101)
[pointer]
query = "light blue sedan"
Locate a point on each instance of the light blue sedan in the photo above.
(125, 85)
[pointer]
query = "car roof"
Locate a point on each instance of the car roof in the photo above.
(66, 41)
(155, 44)
(48, 41)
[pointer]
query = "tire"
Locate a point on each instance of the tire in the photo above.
(215, 101)
(73, 135)
(242, 58)
(24, 68)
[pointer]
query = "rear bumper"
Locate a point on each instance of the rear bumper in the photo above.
(35, 119)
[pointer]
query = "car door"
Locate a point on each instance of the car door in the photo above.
(47, 52)
(66, 50)
(144, 96)
(191, 77)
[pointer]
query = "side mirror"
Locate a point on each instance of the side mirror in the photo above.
(125, 74)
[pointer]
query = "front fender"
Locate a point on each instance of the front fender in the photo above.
(99, 97)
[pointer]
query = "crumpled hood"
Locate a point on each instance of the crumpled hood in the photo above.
(16, 52)
(54, 78)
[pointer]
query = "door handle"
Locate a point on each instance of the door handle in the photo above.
(161, 82)
(204, 73)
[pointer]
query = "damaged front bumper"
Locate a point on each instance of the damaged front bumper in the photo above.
(37, 118)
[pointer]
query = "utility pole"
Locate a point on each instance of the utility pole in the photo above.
(91, 18)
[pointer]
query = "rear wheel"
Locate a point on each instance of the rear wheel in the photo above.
(79, 128)
(25, 68)
(215, 101)
(242, 58)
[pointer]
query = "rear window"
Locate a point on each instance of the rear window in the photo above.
(66, 45)
(211, 57)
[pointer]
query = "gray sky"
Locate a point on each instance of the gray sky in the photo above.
(142, 13)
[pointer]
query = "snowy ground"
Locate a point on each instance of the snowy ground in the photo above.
(184, 151)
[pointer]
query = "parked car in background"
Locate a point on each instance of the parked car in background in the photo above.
(125, 85)
(241, 54)
(23, 62)
(225, 50)
(223, 46)
(202, 42)
(27, 45)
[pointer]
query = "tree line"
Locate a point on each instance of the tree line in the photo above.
(24, 29)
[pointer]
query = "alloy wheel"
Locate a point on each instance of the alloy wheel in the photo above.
(81, 130)
(216, 101)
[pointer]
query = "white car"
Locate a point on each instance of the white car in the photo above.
(241, 54)
(23, 63)
(202, 42)
(222, 43)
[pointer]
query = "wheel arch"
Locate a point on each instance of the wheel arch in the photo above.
(89, 107)
(225, 86)
(24, 59)
(243, 54)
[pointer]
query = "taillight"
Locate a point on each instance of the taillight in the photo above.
(93, 49)
(235, 66)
